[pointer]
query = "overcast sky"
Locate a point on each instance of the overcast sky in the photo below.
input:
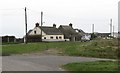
(81, 13)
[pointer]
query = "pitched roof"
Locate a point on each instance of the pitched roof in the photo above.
(51, 30)
(80, 32)
(67, 29)
(29, 31)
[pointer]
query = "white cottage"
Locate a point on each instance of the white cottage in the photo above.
(48, 33)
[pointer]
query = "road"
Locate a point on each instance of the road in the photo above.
(0, 64)
(39, 63)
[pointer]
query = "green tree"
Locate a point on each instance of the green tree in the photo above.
(93, 36)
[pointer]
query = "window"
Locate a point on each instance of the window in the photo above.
(44, 37)
(51, 37)
(56, 37)
(35, 32)
(60, 37)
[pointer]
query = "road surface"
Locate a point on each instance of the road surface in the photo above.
(39, 63)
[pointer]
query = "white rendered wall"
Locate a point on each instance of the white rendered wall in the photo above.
(38, 31)
(48, 38)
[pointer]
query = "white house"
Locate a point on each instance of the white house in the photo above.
(48, 33)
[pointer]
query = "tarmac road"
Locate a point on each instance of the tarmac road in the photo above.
(39, 63)
(0, 64)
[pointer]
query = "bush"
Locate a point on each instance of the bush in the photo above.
(93, 36)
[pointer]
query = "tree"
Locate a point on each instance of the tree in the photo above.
(93, 36)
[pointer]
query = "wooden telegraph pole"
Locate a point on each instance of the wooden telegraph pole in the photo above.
(110, 27)
(26, 25)
(113, 30)
(41, 24)
(93, 28)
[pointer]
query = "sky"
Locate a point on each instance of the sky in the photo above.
(81, 13)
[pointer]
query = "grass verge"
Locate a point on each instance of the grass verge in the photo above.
(92, 66)
(101, 48)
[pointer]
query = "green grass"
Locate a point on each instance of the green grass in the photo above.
(6, 43)
(96, 48)
(92, 66)
(22, 48)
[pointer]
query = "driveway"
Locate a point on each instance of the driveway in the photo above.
(39, 63)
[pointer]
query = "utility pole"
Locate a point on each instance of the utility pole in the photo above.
(41, 24)
(26, 25)
(92, 28)
(113, 30)
(110, 27)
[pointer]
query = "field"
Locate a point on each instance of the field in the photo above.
(101, 48)
(92, 66)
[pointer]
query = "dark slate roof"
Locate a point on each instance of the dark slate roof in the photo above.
(51, 30)
(29, 31)
(67, 29)
(80, 32)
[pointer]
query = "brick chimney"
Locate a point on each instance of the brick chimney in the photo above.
(37, 24)
(54, 25)
(70, 24)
